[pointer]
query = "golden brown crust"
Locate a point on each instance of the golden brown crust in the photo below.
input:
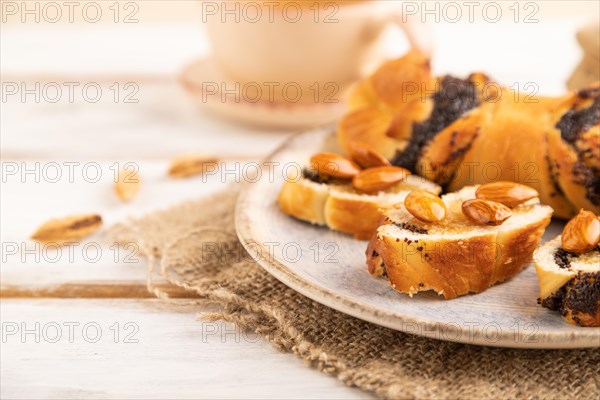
(358, 217)
(362, 96)
(454, 268)
(564, 160)
(368, 125)
(515, 249)
(304, 200)
(340, 207)
(416, 111)
(497, 156)
(571, 161)
(454, 257)
(374, 260)
(443, 156)
(401, 81)
(448, 267)
(507, 136)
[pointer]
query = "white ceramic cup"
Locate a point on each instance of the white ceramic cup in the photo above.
(309, 43)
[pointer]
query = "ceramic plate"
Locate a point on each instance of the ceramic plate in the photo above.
(329, 267)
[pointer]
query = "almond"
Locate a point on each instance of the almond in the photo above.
(425, 205)
(68, 229)
(127, 185)
(508, 193)
(334, 165)
(582, 233)
(185, 166)
(485, 212)
(375, 179)
(366, 156)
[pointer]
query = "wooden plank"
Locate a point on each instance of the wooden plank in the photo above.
(160, 352)
(149, 121)
(96, 266)
(99, 290)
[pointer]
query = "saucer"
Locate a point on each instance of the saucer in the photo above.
(210, 88)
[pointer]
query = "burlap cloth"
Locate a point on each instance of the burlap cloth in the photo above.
(194, 246)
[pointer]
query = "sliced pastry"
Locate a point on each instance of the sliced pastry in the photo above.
(346, 194)
(463, 242)
(568, 270)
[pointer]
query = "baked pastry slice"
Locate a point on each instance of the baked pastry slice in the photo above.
(346, 194)
(463, 253)
(570, 281)
(338, 205)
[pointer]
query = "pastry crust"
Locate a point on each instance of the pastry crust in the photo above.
(576, 163)
(484, 134)
(304, 200)
(342, 208)
(495, 155)
(455, 257)
(572, 288)
(368, 125)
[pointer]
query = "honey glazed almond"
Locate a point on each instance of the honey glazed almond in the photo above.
(366, 156)
(373, 180)
(508, 193)
(334, 165)
(486, 212)
(582, 233)
(425, 206)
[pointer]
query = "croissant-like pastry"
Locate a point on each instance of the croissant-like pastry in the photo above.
(462, 132)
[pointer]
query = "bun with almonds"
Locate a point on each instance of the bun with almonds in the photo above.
(460, 132)
(568, 270)
(346, 195)
(477, 244)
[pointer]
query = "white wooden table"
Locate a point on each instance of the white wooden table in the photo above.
(93, 347)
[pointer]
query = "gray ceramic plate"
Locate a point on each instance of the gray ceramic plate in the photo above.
(329, 267)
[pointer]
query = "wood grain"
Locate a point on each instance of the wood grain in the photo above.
(97, 290)
(160, 352)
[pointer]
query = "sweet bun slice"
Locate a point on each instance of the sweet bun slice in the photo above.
(341, 207)
(455, 256)
(305, 200)
(569, 282)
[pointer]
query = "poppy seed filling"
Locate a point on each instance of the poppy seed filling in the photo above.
(572, 125)
(455, 97)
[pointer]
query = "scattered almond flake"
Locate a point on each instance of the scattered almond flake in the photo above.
(186, 166)
(67, 229)
(127, 185)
